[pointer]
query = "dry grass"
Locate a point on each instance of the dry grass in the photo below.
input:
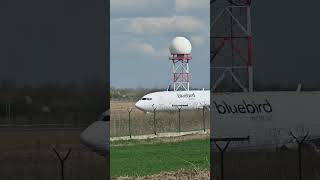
(143, 123)
(160, 140)
(28, 155)
(121, 105)
(16, 139)
(182, 174)
(266, 165)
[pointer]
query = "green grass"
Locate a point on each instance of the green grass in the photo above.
(147, 159)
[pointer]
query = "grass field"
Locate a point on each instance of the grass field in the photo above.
(142, 159)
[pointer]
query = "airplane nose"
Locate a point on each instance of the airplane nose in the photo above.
(96, 137)
(139, 106)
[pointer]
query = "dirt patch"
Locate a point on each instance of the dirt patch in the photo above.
(182, 174)
(120, 105)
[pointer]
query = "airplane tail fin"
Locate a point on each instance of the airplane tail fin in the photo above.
(169, 86)
(299, 87)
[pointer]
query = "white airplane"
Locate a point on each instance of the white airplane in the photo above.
(173, 100)
(268, 119)
(96, 136)
(265, 120)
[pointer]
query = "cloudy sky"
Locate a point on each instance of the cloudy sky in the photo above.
(286, 42)
(64, 40)
(140, 34)
(52, 41)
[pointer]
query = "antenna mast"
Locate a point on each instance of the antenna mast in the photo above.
(231, 39)
(180, 50)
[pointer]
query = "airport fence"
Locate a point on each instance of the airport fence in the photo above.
(131, 121)
(11, 115)
(41, 163)
(299, 163)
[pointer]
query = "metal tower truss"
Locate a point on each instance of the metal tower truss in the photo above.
(231, 45)
(181, 73)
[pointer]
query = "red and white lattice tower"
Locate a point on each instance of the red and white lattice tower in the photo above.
(180, 50)
(231, 41)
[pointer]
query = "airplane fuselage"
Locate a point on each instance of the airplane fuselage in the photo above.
(174, 100)
(267, 118)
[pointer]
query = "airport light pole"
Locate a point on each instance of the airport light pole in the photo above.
(222, 150)
(154, 120)
(62, 160)
(129, 111)
(179, 111)
(203, 118)
(299, 142)
(8, 112)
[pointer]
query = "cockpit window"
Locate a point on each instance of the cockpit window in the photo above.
(148, 99)
(105, 118)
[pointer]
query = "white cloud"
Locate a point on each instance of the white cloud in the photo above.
(126, 5)
(199, 40)
(192, 5)
(135, 8)
(158, 25)
(147, 49)
(143, 48)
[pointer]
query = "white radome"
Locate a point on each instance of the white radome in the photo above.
(180, 45)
